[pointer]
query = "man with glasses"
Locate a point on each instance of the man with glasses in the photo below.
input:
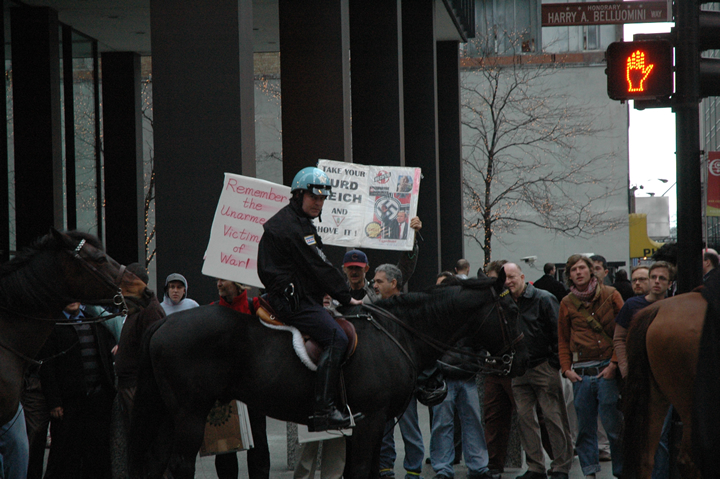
(660, 277)
(640, 280)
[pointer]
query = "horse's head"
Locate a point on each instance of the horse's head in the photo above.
(90, 276)
(494, 325)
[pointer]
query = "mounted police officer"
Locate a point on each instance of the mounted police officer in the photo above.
(296, 274)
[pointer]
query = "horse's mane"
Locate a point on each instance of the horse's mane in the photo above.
(667, 252)
(30, 278)
(440, 300)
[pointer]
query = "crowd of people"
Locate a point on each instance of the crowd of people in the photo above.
(566, 403)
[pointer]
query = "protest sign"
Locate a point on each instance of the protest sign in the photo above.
(245, 205)
(370, 206)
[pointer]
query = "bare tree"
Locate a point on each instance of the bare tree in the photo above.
(526, 154)
(148, 170)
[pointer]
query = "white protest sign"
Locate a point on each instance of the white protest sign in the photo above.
(370, 206)
(245, 205)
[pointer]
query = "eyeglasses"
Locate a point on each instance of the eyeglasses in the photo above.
(637, 280)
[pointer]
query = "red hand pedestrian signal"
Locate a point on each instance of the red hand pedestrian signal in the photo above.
(639, 70)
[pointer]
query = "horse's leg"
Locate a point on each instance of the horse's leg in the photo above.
(657, 410)
(687, 467)
(363, 447)
(189, 432)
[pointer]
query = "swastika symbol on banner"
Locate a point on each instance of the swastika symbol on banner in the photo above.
(386, 208)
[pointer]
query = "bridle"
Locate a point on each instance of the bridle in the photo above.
(117, 300)
(501, 362)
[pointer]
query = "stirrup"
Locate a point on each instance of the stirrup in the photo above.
(324, 422)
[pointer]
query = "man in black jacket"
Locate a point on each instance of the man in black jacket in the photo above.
(297, 275)
(79, 386)
(549, 283)
(541, 383)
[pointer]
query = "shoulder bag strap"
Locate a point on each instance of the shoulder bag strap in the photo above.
(592, 322)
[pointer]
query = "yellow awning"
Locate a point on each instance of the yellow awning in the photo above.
(640, 245)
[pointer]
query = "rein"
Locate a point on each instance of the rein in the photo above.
(38, 362)
(496, 364)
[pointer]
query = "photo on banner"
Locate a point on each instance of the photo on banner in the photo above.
(370, 206)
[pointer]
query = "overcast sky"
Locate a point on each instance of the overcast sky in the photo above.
(652, 140)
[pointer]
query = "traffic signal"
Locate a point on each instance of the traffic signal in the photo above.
(640, 70)
(709, 39)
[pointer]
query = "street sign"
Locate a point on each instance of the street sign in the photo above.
(604, 13)
(640, 70)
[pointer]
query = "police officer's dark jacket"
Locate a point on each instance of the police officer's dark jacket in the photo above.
(290, 251)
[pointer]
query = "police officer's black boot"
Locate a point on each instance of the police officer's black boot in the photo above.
(326, 415)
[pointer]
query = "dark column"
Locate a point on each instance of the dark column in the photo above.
(122, 125)
(36, 116)
(69, 113)
(4, 176)
(314, 51)
(203, 124)
(450, 152)
(421, 145)
(376, 65)
(315, 83)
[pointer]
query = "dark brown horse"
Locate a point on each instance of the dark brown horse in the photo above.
(195, 357)
(662, 349)
(35, 286)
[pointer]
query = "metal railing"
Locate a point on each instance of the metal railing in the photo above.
(463, 15)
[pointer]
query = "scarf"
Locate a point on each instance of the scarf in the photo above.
(589, 293)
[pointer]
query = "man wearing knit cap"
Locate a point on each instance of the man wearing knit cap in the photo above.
(176, 295)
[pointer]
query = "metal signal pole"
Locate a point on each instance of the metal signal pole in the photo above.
(687, 122)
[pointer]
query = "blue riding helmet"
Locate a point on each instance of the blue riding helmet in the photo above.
(313, 180)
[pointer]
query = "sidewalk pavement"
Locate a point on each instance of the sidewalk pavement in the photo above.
(277, 440)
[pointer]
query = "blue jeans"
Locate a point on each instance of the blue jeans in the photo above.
(661, 469)
(463, 396)
(14, 447)
(596, 396)
(412, 437)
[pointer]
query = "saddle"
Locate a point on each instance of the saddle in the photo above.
(305, 346)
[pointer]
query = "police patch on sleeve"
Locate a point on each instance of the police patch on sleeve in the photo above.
(310, 240)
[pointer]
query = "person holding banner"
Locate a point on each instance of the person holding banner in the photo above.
(235, 296)
(356, 266)
(297, 275)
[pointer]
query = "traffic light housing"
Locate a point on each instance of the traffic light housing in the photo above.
(639, 70)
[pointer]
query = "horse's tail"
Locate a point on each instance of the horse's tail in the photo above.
(636, 392)
(149, 415)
